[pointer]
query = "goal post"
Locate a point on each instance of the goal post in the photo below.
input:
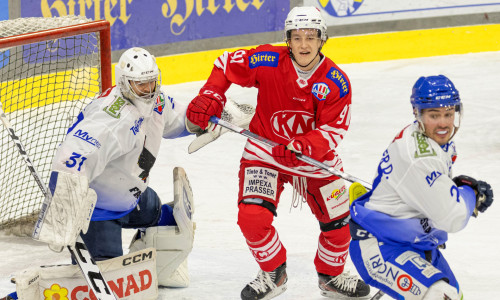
(50, 68)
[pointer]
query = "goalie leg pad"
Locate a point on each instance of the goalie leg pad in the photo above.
(132, 276)
(172, 243)
(172, 249)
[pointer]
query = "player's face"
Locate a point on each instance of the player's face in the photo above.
(142, 88)
(438, 123)
(305, 44)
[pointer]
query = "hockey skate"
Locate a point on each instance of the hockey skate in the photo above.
(267, 285)
(343, 286)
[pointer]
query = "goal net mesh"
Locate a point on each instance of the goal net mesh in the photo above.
(43, 87)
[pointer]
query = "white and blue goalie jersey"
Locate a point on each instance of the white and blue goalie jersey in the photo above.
(115, 147)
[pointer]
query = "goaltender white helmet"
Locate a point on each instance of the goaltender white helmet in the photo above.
(138, 67)
(305, 17)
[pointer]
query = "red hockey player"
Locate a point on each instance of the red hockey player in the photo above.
(303, 103)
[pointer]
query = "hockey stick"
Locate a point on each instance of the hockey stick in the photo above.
(80, 252)
(300, 156)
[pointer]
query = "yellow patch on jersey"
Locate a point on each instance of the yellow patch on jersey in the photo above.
(356, 190)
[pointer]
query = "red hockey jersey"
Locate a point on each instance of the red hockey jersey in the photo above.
(315, 106)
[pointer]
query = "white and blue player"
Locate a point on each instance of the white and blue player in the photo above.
(102, 169)
(399, 226)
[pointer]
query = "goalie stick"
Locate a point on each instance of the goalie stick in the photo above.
(300, 156)
(79, 252)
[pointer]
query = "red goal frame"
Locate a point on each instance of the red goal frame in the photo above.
(101, 26)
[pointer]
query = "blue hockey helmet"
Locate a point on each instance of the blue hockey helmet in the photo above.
(434, 91)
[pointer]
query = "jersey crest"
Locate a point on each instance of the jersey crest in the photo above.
(263, 59)
(338, 78)
(160, 104)
(423, 147)
(320, 90)
(116, 107)
(288, 124)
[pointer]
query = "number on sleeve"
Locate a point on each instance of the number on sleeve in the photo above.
(454, 188)
(237, 57)
(345, 115)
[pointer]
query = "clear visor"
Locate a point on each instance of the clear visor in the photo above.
(303, 34)
(442, 116)
(146, 89)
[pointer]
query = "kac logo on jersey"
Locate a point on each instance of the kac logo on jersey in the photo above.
(263, 59)
(340, 8)
(160, 104)
(320, 91)
(288, 124)
(338, 78)
(432, 178)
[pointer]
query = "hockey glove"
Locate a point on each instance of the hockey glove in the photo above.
(237, 114)
(285, 156)
(301, 145)
(484, 193)
(208, 103)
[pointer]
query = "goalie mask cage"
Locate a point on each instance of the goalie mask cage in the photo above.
(50, 68)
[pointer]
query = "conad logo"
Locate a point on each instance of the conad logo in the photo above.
(287, 124)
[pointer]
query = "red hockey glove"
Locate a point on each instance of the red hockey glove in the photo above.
(285, 156)
(300, 145)
(208, 103)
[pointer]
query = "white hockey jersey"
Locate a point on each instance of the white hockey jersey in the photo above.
(115, 147)
(413, 198)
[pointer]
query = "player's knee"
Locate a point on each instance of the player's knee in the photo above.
(337, 231)
(254, 221)
(440, 289)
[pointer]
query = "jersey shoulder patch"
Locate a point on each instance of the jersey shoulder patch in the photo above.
(115, 107)
(160, 104)
(422, 145)
(340, 80)
(263, 59)
(320, 90)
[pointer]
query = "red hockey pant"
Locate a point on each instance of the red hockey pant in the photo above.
(328, 202)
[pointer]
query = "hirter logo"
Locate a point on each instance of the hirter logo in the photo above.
(288, 124)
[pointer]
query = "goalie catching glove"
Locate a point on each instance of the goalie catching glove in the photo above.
(484, 193)
(238, 114)
(69, 211)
